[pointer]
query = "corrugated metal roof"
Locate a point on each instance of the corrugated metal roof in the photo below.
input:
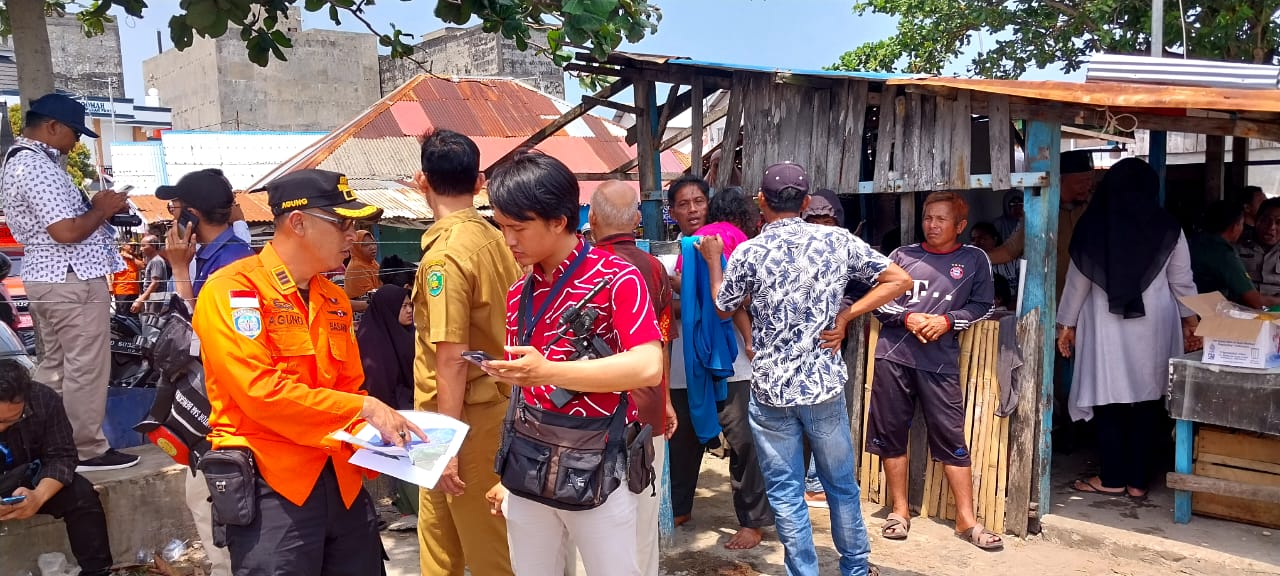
(152, 209)
(498, 114)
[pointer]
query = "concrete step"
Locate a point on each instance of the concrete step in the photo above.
(145, 508)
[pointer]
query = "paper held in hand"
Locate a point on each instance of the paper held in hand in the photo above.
(421, 462)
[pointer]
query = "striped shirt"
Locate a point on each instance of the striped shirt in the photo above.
(957, 284)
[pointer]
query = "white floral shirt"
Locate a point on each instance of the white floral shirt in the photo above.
(37, 192)
(795, 274)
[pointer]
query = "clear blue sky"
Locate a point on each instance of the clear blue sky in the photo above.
(784, 33)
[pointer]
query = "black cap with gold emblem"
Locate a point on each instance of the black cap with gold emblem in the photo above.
(321, 189)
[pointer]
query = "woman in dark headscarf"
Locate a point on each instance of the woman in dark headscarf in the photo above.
(386, 339)
(1120, 313)
(386, 342)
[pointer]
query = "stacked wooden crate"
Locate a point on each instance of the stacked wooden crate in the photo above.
(986, 435)
(1238, 456)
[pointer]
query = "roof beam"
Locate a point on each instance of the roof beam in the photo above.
(680, 136)
(565, 119)
(624, 108)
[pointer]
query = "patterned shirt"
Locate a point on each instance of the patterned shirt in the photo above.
(795, 274)
(44, 434)
(626, 321)
(38, 192)
(957, 284)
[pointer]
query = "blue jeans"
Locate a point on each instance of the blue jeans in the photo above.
(811, 482)
(780, 435)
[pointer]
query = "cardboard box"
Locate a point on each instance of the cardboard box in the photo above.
(1234, 341)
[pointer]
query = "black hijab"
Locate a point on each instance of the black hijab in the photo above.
(1125, 237)
(386, 348)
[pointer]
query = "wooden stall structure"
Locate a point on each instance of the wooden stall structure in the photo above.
(861, 133)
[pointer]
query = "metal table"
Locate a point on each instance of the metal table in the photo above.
(1240, 398)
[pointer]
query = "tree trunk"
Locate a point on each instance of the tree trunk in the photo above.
(31, 49)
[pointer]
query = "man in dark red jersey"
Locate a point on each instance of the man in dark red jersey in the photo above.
(535, 201)
(917, 361)
(614, 216)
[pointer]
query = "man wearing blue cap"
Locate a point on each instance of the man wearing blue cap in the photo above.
(70, 254)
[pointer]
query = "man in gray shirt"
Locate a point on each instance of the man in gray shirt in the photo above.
(155, 278)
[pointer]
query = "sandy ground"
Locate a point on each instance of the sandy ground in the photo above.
(931, 549)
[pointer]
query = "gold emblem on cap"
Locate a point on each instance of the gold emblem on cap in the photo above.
(347, 193)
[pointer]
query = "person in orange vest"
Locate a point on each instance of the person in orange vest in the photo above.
(125, 286)
(283, 372)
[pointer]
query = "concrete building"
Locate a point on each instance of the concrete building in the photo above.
(472, 52)
(329, 77)
(244, 157)
(82, 66)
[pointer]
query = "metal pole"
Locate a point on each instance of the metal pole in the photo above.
(1157, 29)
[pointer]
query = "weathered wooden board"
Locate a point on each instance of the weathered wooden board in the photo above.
(998, 115)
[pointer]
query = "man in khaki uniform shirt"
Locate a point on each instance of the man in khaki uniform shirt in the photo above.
(1261, 254)
(459, 299)
(1077, 186)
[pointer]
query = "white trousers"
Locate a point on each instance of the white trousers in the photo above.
(538, 536)
(198, 503)
(647, 504)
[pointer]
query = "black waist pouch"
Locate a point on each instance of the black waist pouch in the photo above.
(563, 461)
(233, 485)
(640, 472)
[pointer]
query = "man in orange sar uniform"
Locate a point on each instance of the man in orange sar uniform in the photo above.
(283, 372)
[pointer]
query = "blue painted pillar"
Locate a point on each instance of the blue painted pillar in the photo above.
(650, 161)
(1184, 440)
(1157, 157)
(1044, 145)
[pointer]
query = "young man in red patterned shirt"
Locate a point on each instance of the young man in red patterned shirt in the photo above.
(535, 201)
(614, 217)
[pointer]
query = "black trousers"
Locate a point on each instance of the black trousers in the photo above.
(750, 502)
(1128, 434)
(79, 507)
(322, 537)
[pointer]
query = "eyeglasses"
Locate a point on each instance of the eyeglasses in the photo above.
(343, 224)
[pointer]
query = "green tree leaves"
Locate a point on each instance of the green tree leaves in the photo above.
(597, 26)
(1013, 36)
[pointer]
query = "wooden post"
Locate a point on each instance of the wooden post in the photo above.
(1159, 144)
(696, 136)
(1044, 146)
(1184, 440)
(1215, 151)
(1239, 171)
(1023, 425)
(856, 355)
(646, 99)
(907, 220)
(732, 128)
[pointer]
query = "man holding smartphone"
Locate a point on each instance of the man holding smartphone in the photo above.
(70, 254)
(34, 429)
(204, 207)
(459, 305)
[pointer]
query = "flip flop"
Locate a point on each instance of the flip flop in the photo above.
(979, 536)
(1091, 489)
(896, 528)
(1136, 497)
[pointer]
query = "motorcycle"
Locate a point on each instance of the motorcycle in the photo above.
(131, 340)
(178, 421)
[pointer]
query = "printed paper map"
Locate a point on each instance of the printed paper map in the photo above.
(422, 462)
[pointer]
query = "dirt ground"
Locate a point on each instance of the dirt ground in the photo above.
(932, 549)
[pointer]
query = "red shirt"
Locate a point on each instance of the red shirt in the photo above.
(626, 320)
